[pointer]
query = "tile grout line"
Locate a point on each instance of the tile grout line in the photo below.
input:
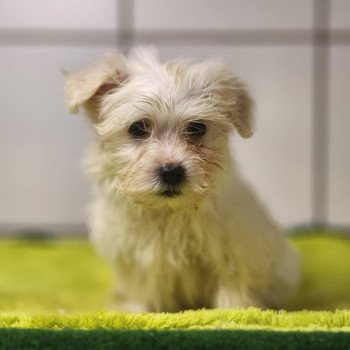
(320, 117)
(125, 25)
(124, 35)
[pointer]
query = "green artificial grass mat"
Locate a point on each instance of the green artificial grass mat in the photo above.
(251, 318)
(59, 289)
(52, 276)
(65, 275)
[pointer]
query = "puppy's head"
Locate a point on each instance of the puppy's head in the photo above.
(162, 129)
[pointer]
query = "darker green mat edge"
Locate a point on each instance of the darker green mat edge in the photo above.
(15, 338)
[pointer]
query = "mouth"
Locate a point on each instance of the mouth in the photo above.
(170, 193)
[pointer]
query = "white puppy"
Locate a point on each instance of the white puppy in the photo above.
(171, 214)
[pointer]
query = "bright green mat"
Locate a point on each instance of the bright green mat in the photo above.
(60, 284)
(64, 275)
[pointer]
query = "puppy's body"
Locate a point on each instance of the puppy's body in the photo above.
(171, 213)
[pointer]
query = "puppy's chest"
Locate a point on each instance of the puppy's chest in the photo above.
(172, 241)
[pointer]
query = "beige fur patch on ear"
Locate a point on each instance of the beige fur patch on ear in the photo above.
(232, 92)
(243, 114)
(92, 81)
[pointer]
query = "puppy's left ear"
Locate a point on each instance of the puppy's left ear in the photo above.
(232, 95)
(243, 109)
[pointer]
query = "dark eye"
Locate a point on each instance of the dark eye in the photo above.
(139, 129)
(196, 129)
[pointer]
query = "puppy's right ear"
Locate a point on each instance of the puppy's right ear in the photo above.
(89, 84)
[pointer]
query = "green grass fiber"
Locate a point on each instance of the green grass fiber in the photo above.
(251, 318)
(54, 293)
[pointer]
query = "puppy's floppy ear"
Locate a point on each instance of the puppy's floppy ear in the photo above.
(243, 110)
(232, 95)
(95, 81)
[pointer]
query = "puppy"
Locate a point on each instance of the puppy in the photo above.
(171, 213)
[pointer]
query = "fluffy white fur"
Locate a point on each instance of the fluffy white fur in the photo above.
(214, 245)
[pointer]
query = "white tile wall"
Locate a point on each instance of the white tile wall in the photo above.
(223, 14)
(57, 14)
(339, 186)
(340, 14)
(41, 180)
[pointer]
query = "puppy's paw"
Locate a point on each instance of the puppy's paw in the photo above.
(231, 298)
(128, 306)
(124, 303)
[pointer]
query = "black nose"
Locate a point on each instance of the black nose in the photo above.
(172, 174)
